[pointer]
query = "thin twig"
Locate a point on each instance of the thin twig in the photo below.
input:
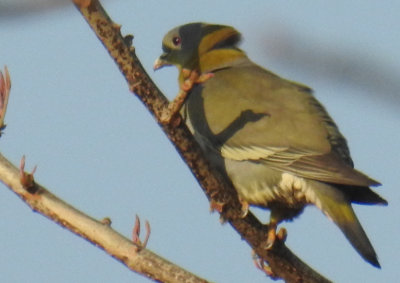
(138, 259)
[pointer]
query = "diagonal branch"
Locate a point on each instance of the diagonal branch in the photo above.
(283, 263)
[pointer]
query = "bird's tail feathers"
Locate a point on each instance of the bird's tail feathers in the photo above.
(336, 205)
(362, 195)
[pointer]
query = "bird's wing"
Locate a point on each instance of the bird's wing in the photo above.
(326, 167)
(278, 123)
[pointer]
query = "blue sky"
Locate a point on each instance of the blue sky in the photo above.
(95, 145)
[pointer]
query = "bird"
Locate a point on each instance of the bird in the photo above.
(270, 136)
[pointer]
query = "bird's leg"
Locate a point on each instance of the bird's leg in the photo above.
(190, 78)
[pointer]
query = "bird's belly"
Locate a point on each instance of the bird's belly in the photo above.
(260, 185)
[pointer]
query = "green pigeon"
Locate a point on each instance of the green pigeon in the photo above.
(270, 136)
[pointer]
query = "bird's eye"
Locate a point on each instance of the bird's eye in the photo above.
(176, 40)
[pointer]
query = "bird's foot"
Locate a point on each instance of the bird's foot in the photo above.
(216, 205)
(191, 77)
(274, 237)
(263, 266)
(136, 233)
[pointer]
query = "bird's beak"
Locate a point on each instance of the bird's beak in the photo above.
(159, 63)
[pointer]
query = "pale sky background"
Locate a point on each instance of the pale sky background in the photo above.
(97, 147)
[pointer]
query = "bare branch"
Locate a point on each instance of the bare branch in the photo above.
(99, 233)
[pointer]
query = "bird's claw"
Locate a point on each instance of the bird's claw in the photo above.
(262, 265)
(215, 205)
(271, 235)
(274, 237)
(244, 208)
(191, 77)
